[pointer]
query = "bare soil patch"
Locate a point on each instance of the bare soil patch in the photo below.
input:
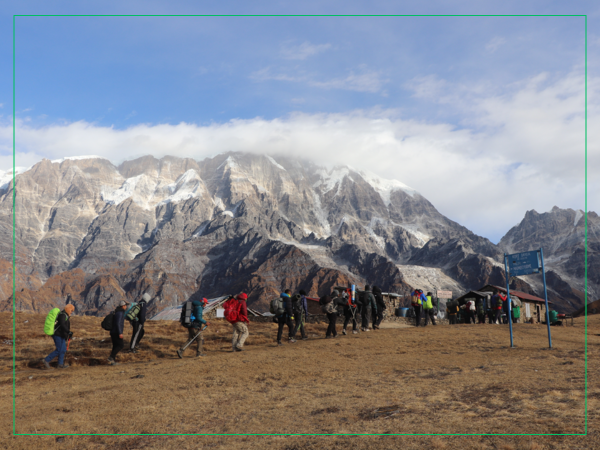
(445, 379)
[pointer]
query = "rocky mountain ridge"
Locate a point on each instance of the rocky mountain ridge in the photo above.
(176, 228)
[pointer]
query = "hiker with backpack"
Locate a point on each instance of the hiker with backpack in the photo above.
(428, 309)
(497, 305)
(329, 306)
(284, 315)
(116, 331)
(417, 299)
(136, 316)
(300, 310)
(469, 309)
(351, 308)
(191, 318)
(452, 308)
(378, 315)
(237, 315)
(480, 305)
(369, 307)
(60, 327)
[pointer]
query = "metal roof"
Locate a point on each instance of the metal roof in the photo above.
(521, 295)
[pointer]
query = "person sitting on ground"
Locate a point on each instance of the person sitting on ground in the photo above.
(329, 306)
(240, 326)
(378, 315)
(195, 329)
(286, 318)
(62, 334)
(137, 323)
(351, 312)
(116, 333)
(428, 309)
(300, 310)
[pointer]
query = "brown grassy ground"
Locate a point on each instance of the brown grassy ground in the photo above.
(462, 379)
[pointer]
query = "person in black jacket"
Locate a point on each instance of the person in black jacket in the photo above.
(116, 332)
(138, 324)
(378, 314)
(329, 307)
(300, 310)
(286, 318)
(62, 334)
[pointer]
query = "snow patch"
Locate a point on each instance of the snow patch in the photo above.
(321, 215)
(7, 176)
(229, 162)
(386, 187)
(279, 166)
(412, 229)
(228, 213)
(578, 216)
(330, 179)
(379, 241)
(187, 185)
(139, 187)
(75, 158)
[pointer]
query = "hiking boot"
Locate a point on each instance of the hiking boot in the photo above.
(367, 329)
(47, 364)
(63, 366)
(180, 353)
(198, 354)
(239, 349)
(354, 331)
(132, 350)
(292, 341)
(112, 362)
(279, 343)
(305, 338)
(344, 331)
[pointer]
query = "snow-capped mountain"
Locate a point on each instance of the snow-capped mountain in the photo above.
(177, 227)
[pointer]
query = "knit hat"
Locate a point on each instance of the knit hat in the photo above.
(69, 309)
(123, 303)
(242, 296)
(302, 292)
(336, 293)
(205, 302)
(146, 297)
(367, 287)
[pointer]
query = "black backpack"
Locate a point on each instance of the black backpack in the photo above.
(107, 322)
(296, 304)
(186, 314)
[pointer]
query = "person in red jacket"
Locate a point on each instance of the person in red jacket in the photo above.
(240, 327)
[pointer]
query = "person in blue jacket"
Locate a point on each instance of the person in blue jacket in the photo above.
(196, 329)
(116, 332)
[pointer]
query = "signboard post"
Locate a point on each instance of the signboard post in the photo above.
(525, 263)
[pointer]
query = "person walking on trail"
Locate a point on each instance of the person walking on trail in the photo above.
(378, 315)
(116, 332)
(480, 305)
(62, 334)
(285, 318)
(428, 309)
(417, 303)
(329, 307)
(497, 304)
(240, 325)
(369, 308)
(195, 329)
(469, 309)
(351, 313)
(300, 310)
(136, 315)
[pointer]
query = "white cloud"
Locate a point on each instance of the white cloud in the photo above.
(364, 81)
(495, 44)
(302, 51)
(518, 151)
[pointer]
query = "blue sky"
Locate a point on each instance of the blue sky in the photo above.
(488, 111)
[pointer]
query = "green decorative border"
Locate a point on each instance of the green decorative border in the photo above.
(302, 434)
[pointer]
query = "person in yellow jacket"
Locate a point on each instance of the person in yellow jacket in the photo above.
(428, 309)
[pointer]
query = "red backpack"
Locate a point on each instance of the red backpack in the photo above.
(232, 310)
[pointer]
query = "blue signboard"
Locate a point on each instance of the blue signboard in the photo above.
(524, 263)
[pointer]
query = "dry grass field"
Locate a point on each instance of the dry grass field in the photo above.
(463, 379)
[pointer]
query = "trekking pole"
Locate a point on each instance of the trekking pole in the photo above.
(194, 338)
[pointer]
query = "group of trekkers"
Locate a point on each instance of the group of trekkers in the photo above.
(366, 308)
(476, 310)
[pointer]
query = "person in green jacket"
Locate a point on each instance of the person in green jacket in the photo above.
(516, 313)
(428, 309)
